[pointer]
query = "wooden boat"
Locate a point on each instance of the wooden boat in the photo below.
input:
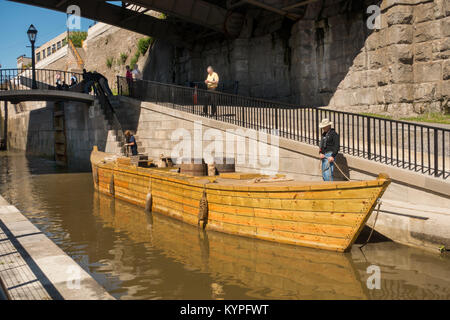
(324, 215)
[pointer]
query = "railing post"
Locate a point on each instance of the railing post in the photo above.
(5, 128)
(317, 126)
(276, 117)
(368, 139)
(436, 153)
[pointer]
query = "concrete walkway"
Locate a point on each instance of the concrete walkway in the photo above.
(32, 267)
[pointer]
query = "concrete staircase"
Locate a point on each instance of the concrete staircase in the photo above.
(118, 108)
(114, 142)
(116, 132)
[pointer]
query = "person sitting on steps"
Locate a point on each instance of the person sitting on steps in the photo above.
(131, 142)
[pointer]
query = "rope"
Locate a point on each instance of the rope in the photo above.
(374, 223)
(345, 176)
(336, 165)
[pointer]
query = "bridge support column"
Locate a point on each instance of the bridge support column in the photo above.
(4, 140)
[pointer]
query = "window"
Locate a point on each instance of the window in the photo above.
(49, 51)
(38, 56)
(53, 48)
(43, 54)
(58, 45)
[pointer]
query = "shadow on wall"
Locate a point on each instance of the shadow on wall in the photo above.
(65, 132)
(301, 62)
(159, 65)
(128, 113)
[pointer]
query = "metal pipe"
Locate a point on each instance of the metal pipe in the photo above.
(256, 3)
(298, 4)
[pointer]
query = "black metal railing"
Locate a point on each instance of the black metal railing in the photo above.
(408, 145)
(22, 79)
(110, 115)
(223, 86)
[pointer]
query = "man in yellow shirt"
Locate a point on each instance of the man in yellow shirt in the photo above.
(212, 82)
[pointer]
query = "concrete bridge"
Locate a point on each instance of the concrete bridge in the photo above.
(189, 19)
(16, 96)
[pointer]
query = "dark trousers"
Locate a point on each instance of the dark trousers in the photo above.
(212, 101)
(130, 87)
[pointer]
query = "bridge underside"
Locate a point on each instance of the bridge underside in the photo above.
(187, 21)
(16, 96)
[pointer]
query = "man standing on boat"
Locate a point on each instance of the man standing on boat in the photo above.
(329, 148)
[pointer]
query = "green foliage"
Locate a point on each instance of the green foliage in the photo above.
(77, 38)
(109, 62)
(144, 44)
(432, 117)
(163, 16)
(135, 59)
(123, 57)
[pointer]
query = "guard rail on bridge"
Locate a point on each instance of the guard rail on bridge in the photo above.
(22, 79)
(409, 145)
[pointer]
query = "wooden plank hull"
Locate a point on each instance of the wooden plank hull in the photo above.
(321, 215)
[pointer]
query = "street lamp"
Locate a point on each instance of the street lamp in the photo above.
(32, 33)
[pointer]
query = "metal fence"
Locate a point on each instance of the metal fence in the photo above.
(408, 145)
(20, 79)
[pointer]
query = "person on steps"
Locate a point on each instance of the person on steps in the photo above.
(131, 142)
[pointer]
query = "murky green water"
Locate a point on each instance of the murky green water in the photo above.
(135, 255)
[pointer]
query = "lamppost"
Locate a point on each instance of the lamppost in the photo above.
(32, 33)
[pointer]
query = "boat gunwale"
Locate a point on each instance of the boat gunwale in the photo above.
(179, 178)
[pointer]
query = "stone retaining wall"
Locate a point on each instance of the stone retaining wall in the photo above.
(331, 58)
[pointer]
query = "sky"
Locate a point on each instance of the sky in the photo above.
(15, 19)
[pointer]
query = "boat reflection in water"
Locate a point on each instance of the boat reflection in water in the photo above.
(267, 270)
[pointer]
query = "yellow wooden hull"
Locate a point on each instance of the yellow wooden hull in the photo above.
(324, 215)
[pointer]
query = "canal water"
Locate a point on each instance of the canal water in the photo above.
(135, 255)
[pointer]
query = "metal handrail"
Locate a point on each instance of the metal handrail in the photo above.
(413, 146)
(77, 55)
(21, 79)
(110, 113)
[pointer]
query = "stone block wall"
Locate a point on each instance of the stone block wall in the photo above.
(331, 58)
(31, 129)
(108, 42)
(402, 68)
